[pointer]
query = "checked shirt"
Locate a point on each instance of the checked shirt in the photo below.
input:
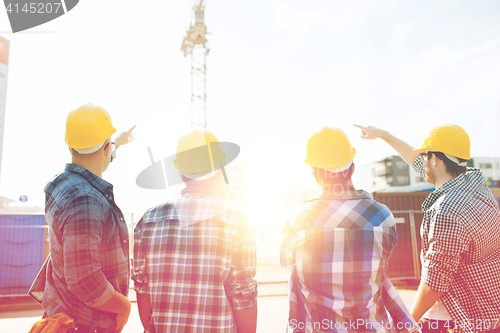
(88, 245)
(337, 246)
(461, 249)
(195, 255)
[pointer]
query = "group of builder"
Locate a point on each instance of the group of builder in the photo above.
(195, 260)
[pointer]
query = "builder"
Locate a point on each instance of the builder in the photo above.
(88, 272)
(194, 256)
(460, 285)
(337, 246)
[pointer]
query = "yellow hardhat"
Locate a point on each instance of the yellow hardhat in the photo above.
(198, 154)
(449, 139)
(88, 126)
(330, 149)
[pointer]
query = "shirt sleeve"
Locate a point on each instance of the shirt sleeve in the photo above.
(401, 317)
(447, 241)
(287, 257)
(139, 276)
(418, 165)
(241, 286)
(297, 220)
(81, 238)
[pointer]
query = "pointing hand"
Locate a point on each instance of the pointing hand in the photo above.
(125, 137)
(370, 132)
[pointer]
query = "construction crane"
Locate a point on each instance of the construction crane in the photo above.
(195, 44)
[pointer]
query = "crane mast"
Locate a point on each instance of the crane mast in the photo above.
(195, 44)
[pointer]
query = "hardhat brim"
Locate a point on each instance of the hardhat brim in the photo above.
(337, 169)
(75, 145)
(197, 176)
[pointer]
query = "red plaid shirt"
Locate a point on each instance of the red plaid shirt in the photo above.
(461, 249)
(195, 256)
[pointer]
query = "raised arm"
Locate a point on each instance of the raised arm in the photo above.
(124, 137)
(403, 149)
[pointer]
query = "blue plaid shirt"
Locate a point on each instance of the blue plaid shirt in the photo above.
(89, 247)
(337, 246)
(195, 256)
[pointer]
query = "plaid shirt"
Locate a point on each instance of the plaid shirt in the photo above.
(195, 256)
(461, 249)
(89, 247)
(338, 247)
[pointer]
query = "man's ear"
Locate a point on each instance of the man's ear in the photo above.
(107, 151)
(435, 160)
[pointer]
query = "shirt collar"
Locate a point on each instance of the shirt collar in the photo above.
(341, 193)
(198, 190)
(96, 181)
(472, 177)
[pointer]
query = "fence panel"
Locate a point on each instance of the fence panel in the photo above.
(23, 248)
(404, 262)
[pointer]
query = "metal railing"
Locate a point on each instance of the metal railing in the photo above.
(24, 245)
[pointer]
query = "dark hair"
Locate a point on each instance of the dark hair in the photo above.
(332, 178)
(451, 167)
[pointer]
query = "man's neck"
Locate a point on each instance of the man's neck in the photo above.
(443, 179)
(346, 185)
(200, 186)
(88, 164)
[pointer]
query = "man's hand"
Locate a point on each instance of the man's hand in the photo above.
(58, 323)
(403, 149)
(124, 138)
(246, 320)
(424, 300)
(120, 305)
(371, 132)
(144, 305)
(121, 320)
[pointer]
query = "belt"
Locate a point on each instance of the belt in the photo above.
(89, 329)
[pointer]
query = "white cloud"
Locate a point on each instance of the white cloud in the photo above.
(346, 16)
(451, 58)
(295, 20)
(286, 45)
(401, 32)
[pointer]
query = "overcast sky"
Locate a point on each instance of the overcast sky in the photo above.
(277, 71)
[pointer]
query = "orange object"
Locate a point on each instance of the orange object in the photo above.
(449, 139)
(58, 323)
(88, 126)
(329, 148)
(4, 51)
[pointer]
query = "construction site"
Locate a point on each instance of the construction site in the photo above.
(222, 80)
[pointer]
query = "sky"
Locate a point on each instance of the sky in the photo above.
(277, 71)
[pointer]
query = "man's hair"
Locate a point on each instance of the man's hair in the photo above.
(88, 151)
(451, 167)
(332, 178)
